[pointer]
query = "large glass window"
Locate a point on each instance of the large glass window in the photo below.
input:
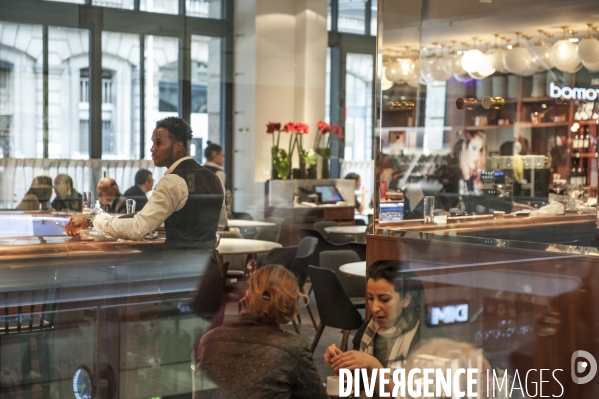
(204, 8)
(127, 4)
(352, 16)
(161, 82)
(120, 95)
(205, 92)
(21, 116)
(68, 105)
(358, 105)
(161, 6)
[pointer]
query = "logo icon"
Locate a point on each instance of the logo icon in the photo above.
(578, 366)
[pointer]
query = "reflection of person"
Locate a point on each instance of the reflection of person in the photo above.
(359, 202)
(215, 158)
(396, 300)
(472, 159)
(38, 195)
(256, 346)
(110, 196)
(188, 199)
(67, 198)
(143, 184)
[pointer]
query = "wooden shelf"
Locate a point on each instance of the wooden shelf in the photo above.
(583, 155)
(545, 124)
(541, 100)
(489, 127)
(588, 122)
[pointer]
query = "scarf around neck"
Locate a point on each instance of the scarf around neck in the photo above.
(401, 340)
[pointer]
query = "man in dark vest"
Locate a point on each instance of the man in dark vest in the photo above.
(189, 200)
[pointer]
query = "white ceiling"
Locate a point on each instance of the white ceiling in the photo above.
(446, 20)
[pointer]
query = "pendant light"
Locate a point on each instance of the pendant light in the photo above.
(518, 59)
(564, 54)
(588, 48)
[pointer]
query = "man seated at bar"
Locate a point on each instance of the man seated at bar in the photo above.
(110, 196)
(143, 184)
(397, 303)
(67, 198)
(189, 198)
(38, 195)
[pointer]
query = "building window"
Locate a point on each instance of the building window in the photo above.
(108, 140)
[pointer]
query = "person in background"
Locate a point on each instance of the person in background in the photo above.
(362, 199)
(38, 196)
(67, 198)
(397, 303)
(110, 197)
(143, 184)
(255, 358)
(215, 158)
(472, 158)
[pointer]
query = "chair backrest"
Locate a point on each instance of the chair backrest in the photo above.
(248, 232)
(230, 234)
(280, 256)
(334, 307)
(353, 286)
(270, 233)
(323, 244)
(28, 311)
(306, 247)
(303, 257)
(320, 226)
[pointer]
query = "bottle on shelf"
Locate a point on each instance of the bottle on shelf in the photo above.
(575, 143)
(586, 140)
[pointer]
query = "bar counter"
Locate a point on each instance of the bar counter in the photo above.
(530, 303)
(120, 309)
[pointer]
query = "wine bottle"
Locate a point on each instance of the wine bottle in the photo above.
(586, 140)
(575, 143)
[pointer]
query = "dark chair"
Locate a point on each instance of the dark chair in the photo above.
(28, 317)
(238, 262)
(320, 226)
(359, 248)
(354, 286)
(334, 238)
(270, 233)
(280, 256)
(305, 251)
(247, 232)
(323, 244)
(334, 307)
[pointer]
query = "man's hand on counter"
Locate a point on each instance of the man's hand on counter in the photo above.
(76, 224)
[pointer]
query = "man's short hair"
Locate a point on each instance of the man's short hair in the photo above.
(66, 179)
(177, 128)
(142, 176)
(110, 182)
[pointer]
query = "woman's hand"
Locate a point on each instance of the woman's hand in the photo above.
(76, 224)
(353, 360)
(330, 354)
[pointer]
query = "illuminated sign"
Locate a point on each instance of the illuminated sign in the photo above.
(447, 314)
(580, 93)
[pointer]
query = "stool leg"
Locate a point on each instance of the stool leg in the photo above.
(344, 340)
(319, 331)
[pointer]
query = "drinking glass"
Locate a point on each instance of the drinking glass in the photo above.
(429, 209)
(87, 201)
(130, 206)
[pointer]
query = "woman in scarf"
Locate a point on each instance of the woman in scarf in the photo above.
(396, 301)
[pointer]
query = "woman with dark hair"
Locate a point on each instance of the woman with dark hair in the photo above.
(38, 195)
(255, 357)
(397, 304)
